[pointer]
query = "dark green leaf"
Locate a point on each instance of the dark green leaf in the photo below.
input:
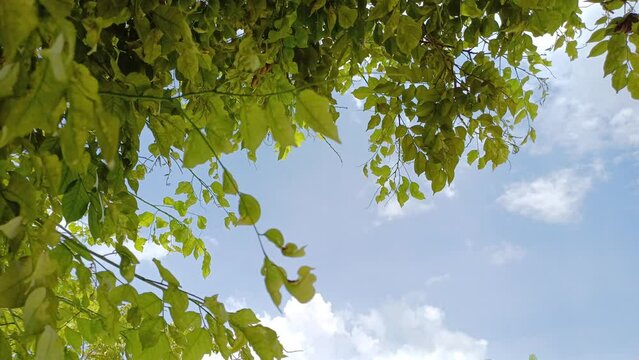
(75, 202)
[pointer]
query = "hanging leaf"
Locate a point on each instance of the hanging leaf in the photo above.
(314, 110)
(75, 202)
(249, 210)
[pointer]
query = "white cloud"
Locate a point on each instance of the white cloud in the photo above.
(151, 250)
(210, 239)
(359, 104)
(391, 210)
(395, 331)
(450, 191)
(576, 126)
(624, 127)
(437, 279)
(234, 304)
(584, 115)
(555, 198)
(506, 253)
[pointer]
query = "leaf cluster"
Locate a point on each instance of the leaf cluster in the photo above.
(96, 94)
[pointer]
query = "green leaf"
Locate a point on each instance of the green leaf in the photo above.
(172, 23)
(206, 264)
(166, 274)
(5, 347)
(59, 9)
(36, 109)
(247, 57)
(75, 202)
(362, 93)
(249, 210)
(633, 85)
(188, 63)
(12, 283)
(18, 18)
(150, 332)
(217, 308)
(254, 126)
(12, 227)
(57, 59)
(314, 110)
(409, 33)
(469, 8)
(50, 345)
(264, 341)
(275, 236)
(146, 219)
(8, 78)
(274, 278)
(280, 123)
(184, 187)
(39, 310)
(42, 273)
(178, 300)
(598, 35)
(571, 49)
(150, 303)
(291, 250)
(84, 94)
(229, 185)
(472, 156)
(198, 344)
(346, 16)
(620, 78)
(415, 192)
(201, 222)
(243, 318)
(382, 7)
(303, 288)
(196, 150)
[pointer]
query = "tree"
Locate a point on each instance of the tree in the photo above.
(80, 81)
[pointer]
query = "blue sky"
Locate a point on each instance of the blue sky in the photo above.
(540, 255)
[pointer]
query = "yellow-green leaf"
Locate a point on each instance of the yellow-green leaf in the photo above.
(249, 210)
(196, 150)
(469, 8)
(274, 279)
(254, 126)
(303, 288)
(166, 274)
(346, 16)
(314, 110)
(18, 18)
(280, 123)
(275, 236)
(409, 33)
(49, 346)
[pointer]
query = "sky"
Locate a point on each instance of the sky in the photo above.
(540, 255)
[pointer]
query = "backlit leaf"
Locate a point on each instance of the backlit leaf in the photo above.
(249, 210)
(314, 110)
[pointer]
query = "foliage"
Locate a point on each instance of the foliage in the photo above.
(81, 81)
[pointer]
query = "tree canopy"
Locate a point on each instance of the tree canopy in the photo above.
(91, 92)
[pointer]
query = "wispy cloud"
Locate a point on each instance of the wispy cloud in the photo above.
(554, 198)
(506, 253)
(624, 128)
(437, 279)
(151, 251)
(391, 210)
